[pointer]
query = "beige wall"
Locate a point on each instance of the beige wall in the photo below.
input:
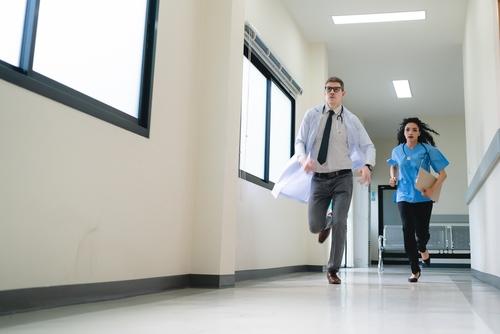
(84, 201)
(482, 120)
(219, 99)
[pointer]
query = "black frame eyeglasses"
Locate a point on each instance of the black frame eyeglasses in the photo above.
(329, 89)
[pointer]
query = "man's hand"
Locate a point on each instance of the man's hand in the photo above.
(366, 176)
(307, 164)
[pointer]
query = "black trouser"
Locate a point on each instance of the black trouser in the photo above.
(415, 217)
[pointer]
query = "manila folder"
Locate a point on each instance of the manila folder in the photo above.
(425, 180)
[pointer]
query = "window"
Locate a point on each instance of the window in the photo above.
(11, 26)
(95, 56)
(267, 124)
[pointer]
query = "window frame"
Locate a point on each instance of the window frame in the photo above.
(270, 78)
(24, 76)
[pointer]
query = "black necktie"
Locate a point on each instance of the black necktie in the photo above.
(323, 149)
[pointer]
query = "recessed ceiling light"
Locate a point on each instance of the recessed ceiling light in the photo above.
(402, 88)
(382, 17)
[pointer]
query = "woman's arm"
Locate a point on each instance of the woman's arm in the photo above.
(437, 185)
(393, 171)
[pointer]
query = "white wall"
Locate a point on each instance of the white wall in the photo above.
(482, 119)
(274, 233)
(358, 227)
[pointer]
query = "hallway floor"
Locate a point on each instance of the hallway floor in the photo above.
(443, 301)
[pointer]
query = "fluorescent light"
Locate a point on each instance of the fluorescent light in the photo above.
(382, 17)
(402, 88)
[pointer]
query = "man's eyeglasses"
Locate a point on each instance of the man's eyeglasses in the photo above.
(329, 89)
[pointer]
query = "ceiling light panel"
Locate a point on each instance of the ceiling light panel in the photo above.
(402, 88)
(382, 17)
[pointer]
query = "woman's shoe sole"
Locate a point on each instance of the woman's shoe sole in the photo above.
(414, 279)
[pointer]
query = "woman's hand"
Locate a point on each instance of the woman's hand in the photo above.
(392, 181)
(393, 172)
(428, 192)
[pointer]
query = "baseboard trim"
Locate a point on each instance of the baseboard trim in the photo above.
(211, 281)
(33, 299)
(243, 275)
(487, 278)
(433, 265)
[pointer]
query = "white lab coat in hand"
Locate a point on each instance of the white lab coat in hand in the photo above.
(294, 182)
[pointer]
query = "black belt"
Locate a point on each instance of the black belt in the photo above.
(333, 174)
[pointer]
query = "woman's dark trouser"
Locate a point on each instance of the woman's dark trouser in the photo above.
(415, 218)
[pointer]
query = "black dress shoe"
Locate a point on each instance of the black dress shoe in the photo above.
(415, 277)
(333, 278)
(323, 235)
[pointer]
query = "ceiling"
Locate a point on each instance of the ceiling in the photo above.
(369, 56)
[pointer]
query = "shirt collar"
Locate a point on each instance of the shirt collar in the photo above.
(336, 111)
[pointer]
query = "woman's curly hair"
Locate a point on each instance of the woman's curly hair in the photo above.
(425, 131)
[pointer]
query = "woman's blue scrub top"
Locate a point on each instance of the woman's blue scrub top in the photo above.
(408, 162)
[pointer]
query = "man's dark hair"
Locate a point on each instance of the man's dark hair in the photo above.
(335, 79)
(425, 131)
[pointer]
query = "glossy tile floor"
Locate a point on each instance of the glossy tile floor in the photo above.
(443, 301)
